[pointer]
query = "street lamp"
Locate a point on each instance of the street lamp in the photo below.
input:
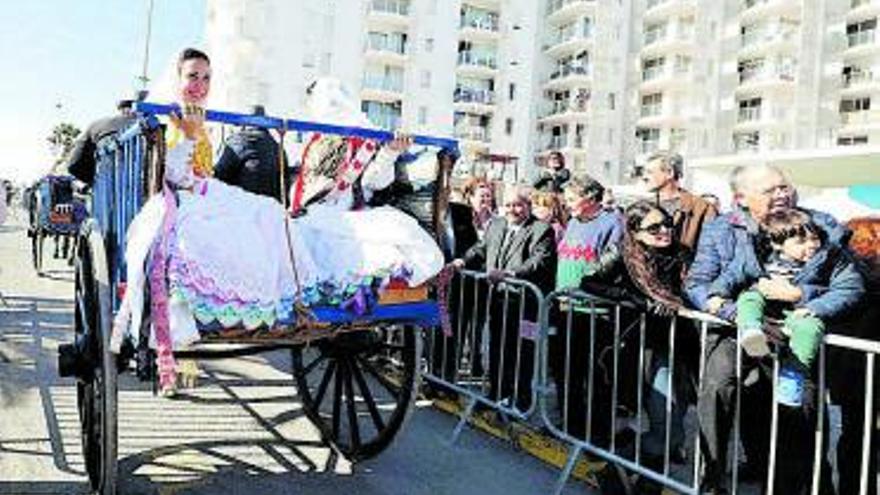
(143, 77)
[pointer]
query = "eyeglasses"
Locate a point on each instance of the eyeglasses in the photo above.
(655, 228)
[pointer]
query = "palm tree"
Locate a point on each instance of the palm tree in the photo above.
(61, 139)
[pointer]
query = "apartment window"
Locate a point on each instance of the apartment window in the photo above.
(855, 105)
(652, 104)
(385, 115)
(611, 101)
(654, 32)
(652, 68)
(677, 139)
(508, 126)
(747, 141)
(423, 115)
(852, 140)
(649, 139)
(749, 110)
(429, 45)
(426, 79)
(861, 33)
(511, 91)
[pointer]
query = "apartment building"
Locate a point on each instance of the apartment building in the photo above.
(606, 82)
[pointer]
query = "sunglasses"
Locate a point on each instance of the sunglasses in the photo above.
(655, 228)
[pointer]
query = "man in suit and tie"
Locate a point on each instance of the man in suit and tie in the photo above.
(518, 246)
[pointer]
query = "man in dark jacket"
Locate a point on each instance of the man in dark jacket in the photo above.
(555, 176)
(515, 246)
(82, 157)
(762, 190)
(249, 160)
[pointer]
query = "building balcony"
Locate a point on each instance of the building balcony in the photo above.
(389, 12)
(646, 147)
(477, 64)
(861, 10)
(471, 100)
(380, 88)
(660, 116)
(756, 118)
(860, 121)
(384, 51)
(561, 11)
(472, 135)
(758, 10)
(562, 112)
(564, 143)
(764, 41)
(859, 83)
(479, 27)
(667, 42)
(758, 81)
(861, 44)
(384, 120)
(569, 76)
(656, 10)
(746, 143)
(569, 42)
(664, 77)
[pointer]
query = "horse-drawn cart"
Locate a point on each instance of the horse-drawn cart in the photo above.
(355, 373)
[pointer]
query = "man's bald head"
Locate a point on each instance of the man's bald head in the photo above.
(764, 189)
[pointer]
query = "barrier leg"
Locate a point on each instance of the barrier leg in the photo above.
(573, 455)
(465, 416)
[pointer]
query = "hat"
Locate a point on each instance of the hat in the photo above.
(258, 110)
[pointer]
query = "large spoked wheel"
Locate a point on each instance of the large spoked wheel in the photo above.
(37, 250)
(97, 388)
(358, 388)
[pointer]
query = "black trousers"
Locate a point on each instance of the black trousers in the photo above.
(511, 358)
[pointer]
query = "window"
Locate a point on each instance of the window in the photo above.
(611, 102)
(423, 115)
(855, 105)
(652, 104)
(749, 110)
(652, 68)
(861, 33)
(426, 79)
(852, 140)
(508, 126)
(511, 91)
(429, 45)
(649, 139)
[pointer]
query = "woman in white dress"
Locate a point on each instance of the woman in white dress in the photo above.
(228, 256)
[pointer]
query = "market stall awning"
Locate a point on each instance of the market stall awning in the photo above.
(834, 167)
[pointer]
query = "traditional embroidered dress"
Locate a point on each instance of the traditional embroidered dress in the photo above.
(226, 251)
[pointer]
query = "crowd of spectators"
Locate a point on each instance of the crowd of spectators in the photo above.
(780, 274)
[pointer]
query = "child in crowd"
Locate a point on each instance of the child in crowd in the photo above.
(802, 280)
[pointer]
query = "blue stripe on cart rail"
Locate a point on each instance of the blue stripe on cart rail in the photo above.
(267, 122)
(425, 313)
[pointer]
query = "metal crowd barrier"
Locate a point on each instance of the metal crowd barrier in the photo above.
(492, 357)
(618, 326)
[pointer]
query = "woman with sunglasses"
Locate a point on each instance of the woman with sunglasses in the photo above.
(649, 272)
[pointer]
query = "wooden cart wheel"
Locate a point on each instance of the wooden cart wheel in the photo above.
(96, 392)
(358, 388)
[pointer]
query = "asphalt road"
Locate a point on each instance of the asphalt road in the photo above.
(241, 430)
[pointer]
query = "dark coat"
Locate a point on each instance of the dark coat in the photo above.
(464, 233)
(249, 160)
(727, 261)
(81, 163)
(531, 255)
(552, 180)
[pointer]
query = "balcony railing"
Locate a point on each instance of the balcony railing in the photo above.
(857, 78)
(860, 38)
(750, 114)
(653, 72)
(384, 120)
(560, 107)
(397, 7)
(568, 70)
(473, 95)
(557, 142)
(383, 83)
(472, 133)
(755, 36)
(483, 22)
(480, 59)
(384, 44)
(860, 117)
(554, 5)
(764, 74)
(747, 4)
(649, 146)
